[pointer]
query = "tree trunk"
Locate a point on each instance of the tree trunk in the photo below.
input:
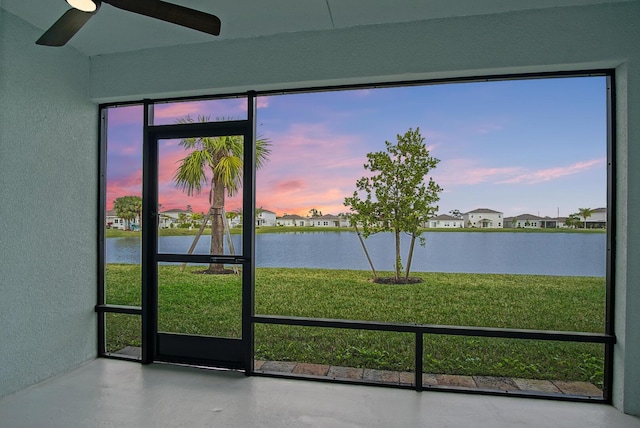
(217, 225)
(227, 235)
(398, 259)
(197, 237)
(366, 253)
(409, 258)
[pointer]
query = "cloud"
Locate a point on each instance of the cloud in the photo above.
(488, 128)
(235, 108)
(467, 172)
(130, 184)
(312, 153)
(289, 186)
(311, 166)
(126, 115)
(329, 201)
(548, 174)
(176, 110)
(361, 92)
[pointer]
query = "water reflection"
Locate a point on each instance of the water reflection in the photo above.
(571, 254)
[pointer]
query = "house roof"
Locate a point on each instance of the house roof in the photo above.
(326, 217)
(445, 217)
(484, 211)
(292, 217)
(527, 217)
(174, 210)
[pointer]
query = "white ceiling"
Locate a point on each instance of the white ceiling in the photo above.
(112, 30)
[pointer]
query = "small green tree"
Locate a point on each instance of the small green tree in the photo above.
(183, 220)
(572, 221)
(231, 215)
(585, 213)
(455, 213)
(196, 218)
(128, 208)
(395, 197)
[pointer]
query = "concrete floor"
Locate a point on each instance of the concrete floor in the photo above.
(110, 393)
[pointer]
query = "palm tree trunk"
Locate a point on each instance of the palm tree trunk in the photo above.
(217, 225)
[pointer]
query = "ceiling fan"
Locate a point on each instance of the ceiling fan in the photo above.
(73, 19)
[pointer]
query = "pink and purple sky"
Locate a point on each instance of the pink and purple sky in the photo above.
(525, 146)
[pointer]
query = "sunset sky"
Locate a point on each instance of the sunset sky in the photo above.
(527, 146)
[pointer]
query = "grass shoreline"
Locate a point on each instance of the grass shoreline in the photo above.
(210, 305)
(116, 233)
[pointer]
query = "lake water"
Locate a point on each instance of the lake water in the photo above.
(571, 254)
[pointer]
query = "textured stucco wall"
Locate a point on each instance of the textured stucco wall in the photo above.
(48, 209)
(569, 38)
(627, 356)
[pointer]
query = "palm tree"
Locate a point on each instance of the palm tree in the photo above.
(128, 208)
(585, 213)
(572, 221)
(217, 162)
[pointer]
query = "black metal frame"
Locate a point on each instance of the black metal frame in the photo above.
(249, 319)
(421, 329)
(178, 348)
(611, 233)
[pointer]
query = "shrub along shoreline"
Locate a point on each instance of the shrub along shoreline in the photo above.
(116, 233)
(210, 305)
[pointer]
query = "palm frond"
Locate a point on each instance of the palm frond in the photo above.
(191, 174)
(222, 155)
(262, 151)
(228, 170)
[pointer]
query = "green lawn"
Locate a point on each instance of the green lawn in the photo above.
(210, 305)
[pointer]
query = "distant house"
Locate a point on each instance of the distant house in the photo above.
(234, 220)
(115, 222)
(483, 218)
(169, 218)
(445, 221)
(597, 220)
(166, 222)
(292, 220)
(266, 218)
(560, 222)
(328, 220)
(508, 222)
(553, 223)
(526, 221)
(175, 213)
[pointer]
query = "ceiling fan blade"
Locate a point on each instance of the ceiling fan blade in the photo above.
(64, 28)
(173, 13)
